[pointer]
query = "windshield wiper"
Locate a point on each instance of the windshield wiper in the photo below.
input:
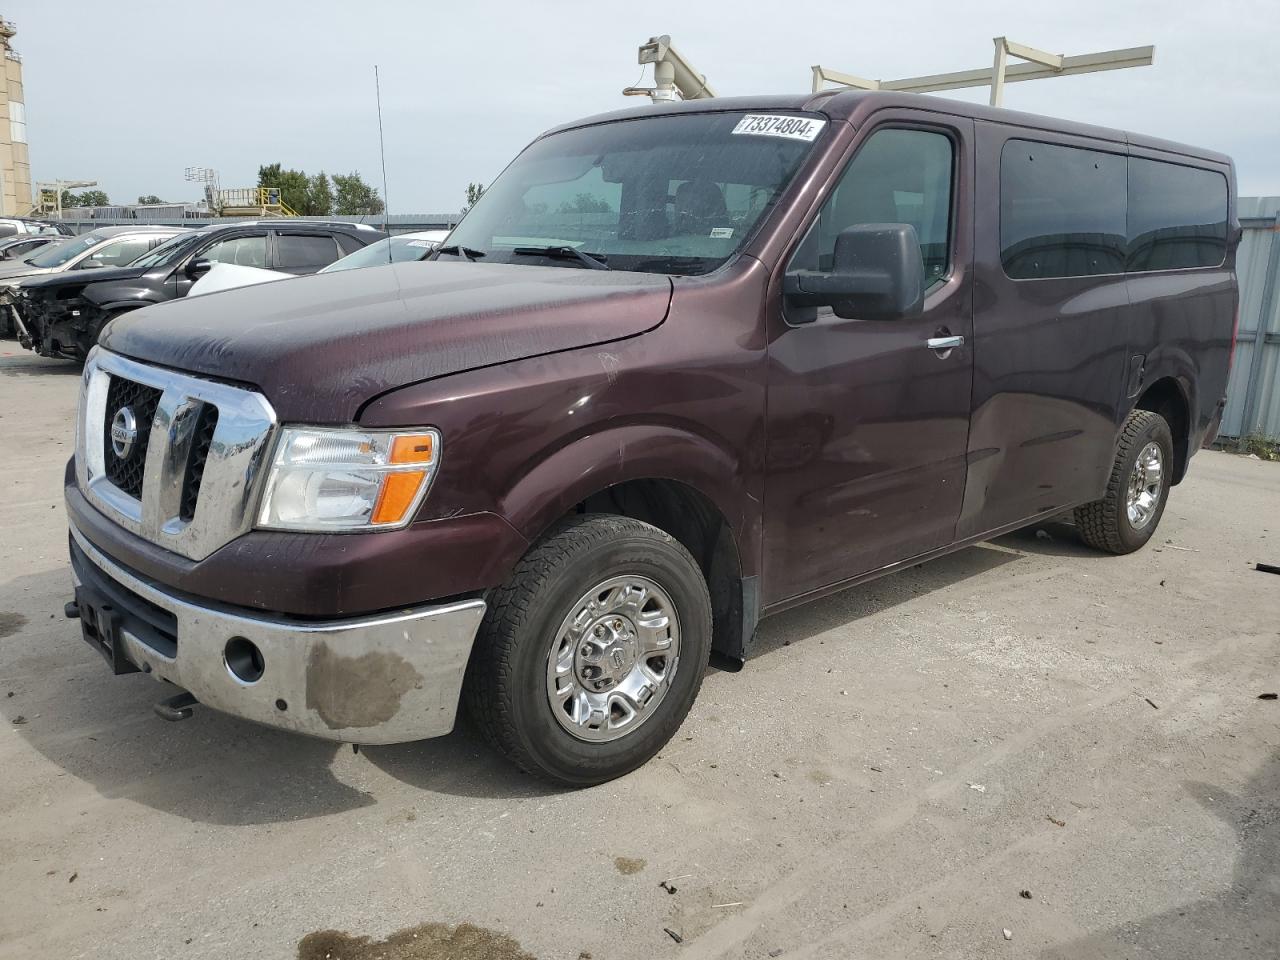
(594, 261)
(456, 250)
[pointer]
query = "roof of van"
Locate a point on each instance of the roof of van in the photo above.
(853, 105)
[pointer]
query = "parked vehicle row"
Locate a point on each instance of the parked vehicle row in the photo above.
(26, 227)
(22, 246)
(680, 368)
(99, 249)
(400, 248)
(103, 274)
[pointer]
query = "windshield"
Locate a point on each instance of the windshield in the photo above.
(56, 254)
(36, 251)
(172, 249)
(402, 249)
(671, 194)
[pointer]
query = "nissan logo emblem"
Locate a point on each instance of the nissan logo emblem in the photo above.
(124, 432)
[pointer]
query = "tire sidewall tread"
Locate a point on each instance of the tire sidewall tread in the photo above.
(1104, 524)
(505, 689)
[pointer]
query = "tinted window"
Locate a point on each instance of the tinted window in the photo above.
(1177, 216)
(898, 176)
(298, 252)
(245, 251)
(1062, 211)
(116, 253)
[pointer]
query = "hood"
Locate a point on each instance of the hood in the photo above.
(321, 346)
(63, 278)
(13, 269)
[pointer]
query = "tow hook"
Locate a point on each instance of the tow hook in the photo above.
(176, 708)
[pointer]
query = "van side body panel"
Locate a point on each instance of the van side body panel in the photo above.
(1183, 320)
(1049, 361)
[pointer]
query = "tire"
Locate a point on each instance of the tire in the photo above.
(508, 690)
(1108, 524)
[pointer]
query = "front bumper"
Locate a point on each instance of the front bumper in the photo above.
(386, 678)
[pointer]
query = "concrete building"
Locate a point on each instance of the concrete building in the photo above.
(15, 166)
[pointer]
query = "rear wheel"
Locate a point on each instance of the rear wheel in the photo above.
(1127, 515)
(590, 657)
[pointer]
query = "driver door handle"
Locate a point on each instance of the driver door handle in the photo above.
(944, 343)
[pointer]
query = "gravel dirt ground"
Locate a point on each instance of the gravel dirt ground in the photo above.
(1025, 749)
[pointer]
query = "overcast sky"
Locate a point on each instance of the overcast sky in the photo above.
(130, 93)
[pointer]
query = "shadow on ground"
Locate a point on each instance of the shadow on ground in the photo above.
(218, 769)
(1242, 920)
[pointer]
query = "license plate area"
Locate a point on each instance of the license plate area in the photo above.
(100, 625)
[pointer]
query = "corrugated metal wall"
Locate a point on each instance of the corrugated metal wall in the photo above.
(1253, 394)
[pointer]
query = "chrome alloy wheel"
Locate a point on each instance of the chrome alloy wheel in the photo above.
(613, 658)
(1145, 486)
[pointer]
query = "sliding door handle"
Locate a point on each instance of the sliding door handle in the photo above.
(944, 343)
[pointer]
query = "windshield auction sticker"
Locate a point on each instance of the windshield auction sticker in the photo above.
(769, 125)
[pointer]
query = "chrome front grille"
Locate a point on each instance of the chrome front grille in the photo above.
(125, 471)
(185, 466)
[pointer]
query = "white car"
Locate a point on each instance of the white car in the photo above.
(397, 249)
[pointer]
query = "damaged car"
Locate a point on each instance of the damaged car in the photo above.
(96, 250)
(63, 316)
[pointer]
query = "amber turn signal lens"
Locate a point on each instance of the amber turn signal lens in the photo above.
(412, 448)
(398, 493)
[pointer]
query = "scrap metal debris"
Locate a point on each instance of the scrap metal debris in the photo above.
(1055, 821)
(673, 935)
(1025, 894)
(1268, 696)
(1152, 702)
(1008, 934)
(1266, 568)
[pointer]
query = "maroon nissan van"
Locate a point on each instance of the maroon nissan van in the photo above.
(839, 334)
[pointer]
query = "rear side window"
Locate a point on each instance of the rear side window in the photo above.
(248, 251)
(305, 253)
(1062, 211)
(1177, 216)
(116, 253)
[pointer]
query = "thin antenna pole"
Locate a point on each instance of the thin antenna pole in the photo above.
(382, 148)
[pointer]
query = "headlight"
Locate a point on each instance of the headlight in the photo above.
(348, 479)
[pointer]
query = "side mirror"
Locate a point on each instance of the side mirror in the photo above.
(198, 267)
(876, 274)
(88, 263)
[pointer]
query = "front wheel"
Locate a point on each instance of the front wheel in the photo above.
(590, 657)
(1128, 514)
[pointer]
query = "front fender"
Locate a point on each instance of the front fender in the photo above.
(126, 295)
(639, 451)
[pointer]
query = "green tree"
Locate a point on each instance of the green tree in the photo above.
(585, 203)
(474, 192)
(148, 198)
(295, 185)
(319, 196)
(354, 197)
(90, 198)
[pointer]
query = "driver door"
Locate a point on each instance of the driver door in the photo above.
(867, 424)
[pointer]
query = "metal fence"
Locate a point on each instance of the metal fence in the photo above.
(1253, 393)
